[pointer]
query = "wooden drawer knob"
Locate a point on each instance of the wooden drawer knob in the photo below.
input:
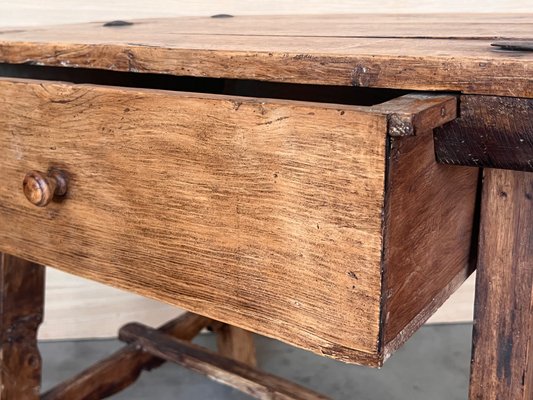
(41, 188)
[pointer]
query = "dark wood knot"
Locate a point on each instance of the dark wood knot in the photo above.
(514, 45)
(117, 23)
(41, 188)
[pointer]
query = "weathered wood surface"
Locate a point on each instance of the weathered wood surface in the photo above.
(502, 360)
(427, 240)
(37, 13)
(236, 343)
(492, 132)
(21, 313)
(417, 113)
(238, 375)
(264, 214)
(447, 52)
(220, 205)
(121, 369)
(415, 26)
(514, 45)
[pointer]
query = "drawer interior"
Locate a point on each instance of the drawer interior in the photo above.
(357, 96)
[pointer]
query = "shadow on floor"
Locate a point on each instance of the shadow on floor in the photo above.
(433, 365)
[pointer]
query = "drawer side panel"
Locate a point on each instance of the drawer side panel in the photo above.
(428, 242)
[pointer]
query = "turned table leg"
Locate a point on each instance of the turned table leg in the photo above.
(502, 363)
(21, 312)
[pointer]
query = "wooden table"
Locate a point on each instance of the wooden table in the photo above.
(324, 180)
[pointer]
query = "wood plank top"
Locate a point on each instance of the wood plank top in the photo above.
(421, 52)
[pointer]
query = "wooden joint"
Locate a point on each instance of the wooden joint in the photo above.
(224, 370)
(417, 112)
(118, 371)
(491, 132)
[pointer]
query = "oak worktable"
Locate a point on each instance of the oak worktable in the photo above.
(327, 181)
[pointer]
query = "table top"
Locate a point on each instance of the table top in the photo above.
(421, 52)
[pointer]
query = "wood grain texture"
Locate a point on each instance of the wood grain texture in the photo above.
(417, 113)
(77, 308)
(237, 344)
(240, 376)
(221, 205)
(492, 132)
(264, 214)
(21, 313)
(121, 369)
(429, 221)
(502, 26)
(503, 328)
(410, 57)
(34, 12)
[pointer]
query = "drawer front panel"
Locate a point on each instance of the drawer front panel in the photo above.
(263, 214)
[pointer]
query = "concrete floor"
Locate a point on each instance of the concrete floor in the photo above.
(433, 365)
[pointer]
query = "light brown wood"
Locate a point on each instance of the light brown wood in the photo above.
(421, 53)
(416, 26)
(441, 26)
(21, 313)
(240, 376)
(264, 214)
(121, 369)
(502, 366)
(417, 114)
(236, 343)
(221, 205)
(37, 13)
(77, 308)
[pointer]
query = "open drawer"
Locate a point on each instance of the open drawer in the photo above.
(327, 226)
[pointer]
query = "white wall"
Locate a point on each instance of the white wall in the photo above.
(78, 308)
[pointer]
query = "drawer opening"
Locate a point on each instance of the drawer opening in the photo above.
(358, 96)
(295, 213)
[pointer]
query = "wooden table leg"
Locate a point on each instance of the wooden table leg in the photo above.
(21, 313)
(122, 368)
(502, 363)
(237, 344)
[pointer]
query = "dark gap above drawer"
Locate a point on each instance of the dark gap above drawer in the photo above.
(238, 87)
